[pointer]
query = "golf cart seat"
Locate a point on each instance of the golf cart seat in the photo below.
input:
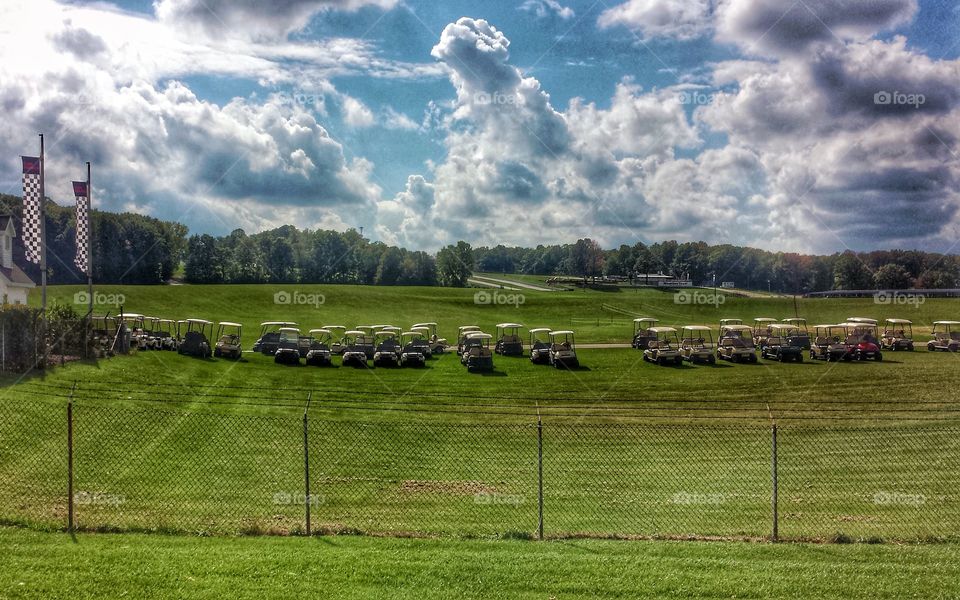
(653, 344)
(511, 339)
(822, 341)
(955, 336)
(774, 341)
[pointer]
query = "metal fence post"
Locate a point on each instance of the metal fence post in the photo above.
(306, 463)
(773, 473)
(539, 476)
(70, 506)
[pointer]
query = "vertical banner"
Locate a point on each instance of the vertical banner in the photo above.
(82, 194)
(32, 226)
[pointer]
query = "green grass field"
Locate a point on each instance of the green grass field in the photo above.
(175, 444)
(52, 566)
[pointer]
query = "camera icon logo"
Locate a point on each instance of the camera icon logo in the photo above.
(482, 297)
(282, 297)
(882, 98)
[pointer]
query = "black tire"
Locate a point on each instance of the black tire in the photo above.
(879, 357)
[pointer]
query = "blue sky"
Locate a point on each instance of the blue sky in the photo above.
(533, 121)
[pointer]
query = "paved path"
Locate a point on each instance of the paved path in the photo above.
(510, 282)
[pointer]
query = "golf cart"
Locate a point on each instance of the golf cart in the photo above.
(438, 345)
(665, 349)
(412, 349)
(148, 337)
(946, 337)
(134, 324)
(563, 350)
(336, 337)
(785, 343)
(319, 353)
(387, 353)
(509, 342)
(725, 322)
(288, 347)
(736, 343)
(862, 340)
(641, 332)
(867, 320)
(196, 338)
(897, 335)
(422, 340)
(540, 345)
(270, 336)
(228, 340)
(462, 332)
(354, 348)
(166, 334)
(476, 355)
(103, 332)
(696, 344)
(803, 334)
(761, 329)
(828, 343)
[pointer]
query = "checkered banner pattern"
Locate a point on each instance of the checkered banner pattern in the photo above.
(83, 225)
(32, 237)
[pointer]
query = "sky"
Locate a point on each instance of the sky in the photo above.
(795, 125)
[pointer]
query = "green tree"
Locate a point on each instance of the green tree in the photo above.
(455, 265)
(849, 273)
(892, 276)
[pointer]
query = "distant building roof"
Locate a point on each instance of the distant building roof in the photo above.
(16, 276)
(4, 220)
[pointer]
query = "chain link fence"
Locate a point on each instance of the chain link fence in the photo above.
(206, 472)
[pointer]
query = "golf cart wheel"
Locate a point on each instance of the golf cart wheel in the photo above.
(678, 361)
(217, 353)
(800, 357)
(878, 357)
(660, 362)
(712, 360)
(910, 348)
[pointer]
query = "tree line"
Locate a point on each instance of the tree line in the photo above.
(135, 249)
(748, 268)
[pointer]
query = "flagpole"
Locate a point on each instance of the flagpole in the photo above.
(89, 240)
(43, 240)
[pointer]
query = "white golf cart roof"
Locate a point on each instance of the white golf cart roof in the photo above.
(646, 320)
(479, 335)
(278, 324)
(735, 328)
(783, 326)
(364, 327)
(764, 320)
(329, 327)
(291, 330)
(731, 321)
(409, 334)
(857, 324)
(229, 324)
(415, 325)
(861, 320)
(663, 329)
(827, 326)
(321, 330)
(561, 332)
(463, 328)
(899, 321)
(946, 322)
(539, 330)
(355, 332)
(509, 325)
(382, 326)
(131, 316)
(199, 321)
(161, 320)
(420, 328)
(386, 333)
(696, 328)
(794, 320)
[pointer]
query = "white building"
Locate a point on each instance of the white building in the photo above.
(14, 283)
